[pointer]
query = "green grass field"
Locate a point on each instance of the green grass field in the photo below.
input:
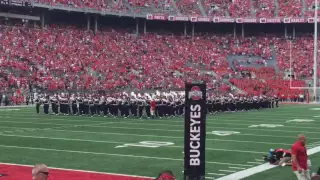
(119, 145)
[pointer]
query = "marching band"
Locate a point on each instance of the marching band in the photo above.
(149, 105)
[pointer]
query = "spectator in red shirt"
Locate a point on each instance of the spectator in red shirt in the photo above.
(300, 158)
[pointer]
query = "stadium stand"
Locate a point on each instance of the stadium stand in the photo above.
(87, 61)
(66, 57)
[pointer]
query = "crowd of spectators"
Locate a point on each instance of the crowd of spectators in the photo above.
(71, 58)
(233, 8)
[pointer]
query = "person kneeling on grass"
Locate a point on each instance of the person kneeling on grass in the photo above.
(279, 156)
(165, 175)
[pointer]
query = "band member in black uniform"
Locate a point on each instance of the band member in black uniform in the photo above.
(182, 106)
(53, 104)
(74, 105)
(81, 105)
(37, 105)
(134, 107)
(27, 100)
(233, 104)
(116, 107)
(277, 101)
(97, 106)
(69, 106)
(121, 107)
(258, 103)
(62, 105)
(92, 107)
(86, 106)
(126, 105)
(269, 102)
(102, 105)
(250, 103)
(107, 108)
(112, 107)
(223, 104)
(148, 107)
(141, 104)
(45, 105)
(246, 104)
(158, 103)
(217, 105)
(272, 102)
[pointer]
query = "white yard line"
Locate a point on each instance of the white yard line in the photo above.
(210, 177)
(255, 170)
(114, 142)
(216, 174)
(76, 170)
(111, 154)
(237, 168)
(222, 170)
(146, 135)
(254, 162)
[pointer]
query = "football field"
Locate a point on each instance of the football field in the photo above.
(235, 141)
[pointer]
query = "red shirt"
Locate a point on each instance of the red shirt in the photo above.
(153, 105)
(301, 153)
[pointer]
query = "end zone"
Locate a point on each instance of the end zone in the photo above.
(19, 171)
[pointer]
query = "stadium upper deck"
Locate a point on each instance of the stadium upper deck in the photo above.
(204, 8)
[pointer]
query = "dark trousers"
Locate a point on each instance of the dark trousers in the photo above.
(148, 111)
(160, 111)
(86, 109)
(81, 109)
(62, 107)
(97, 109)
(121, 109)
(140, 108)
(133, 109)
(38, 108)
(92, 110)
(126, 110)
(53, 107)
(114, 110)
(46, 108)
(74, 109)
(105, 108)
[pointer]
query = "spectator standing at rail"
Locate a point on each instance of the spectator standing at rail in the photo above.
(300, 158)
